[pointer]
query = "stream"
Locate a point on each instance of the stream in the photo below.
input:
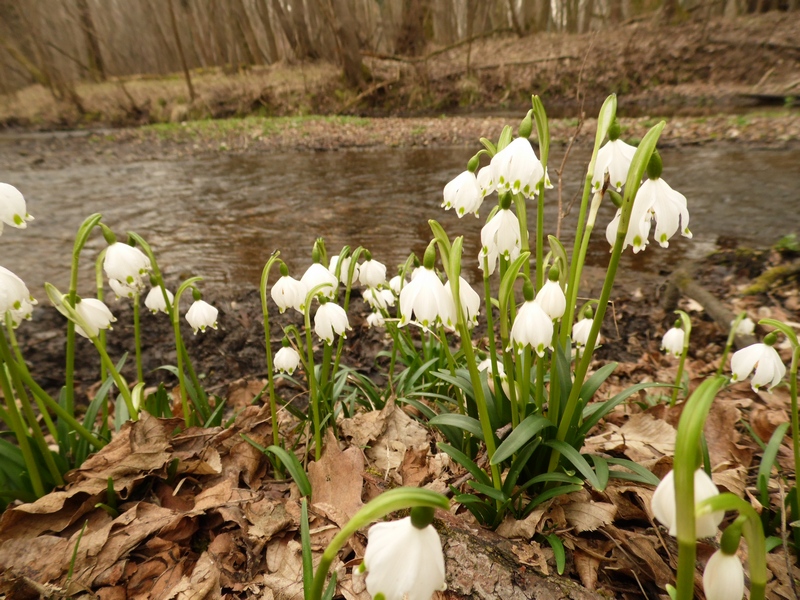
(222, 217)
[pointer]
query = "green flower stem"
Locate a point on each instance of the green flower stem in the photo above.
(120, 382)
(539, 237)
(795, 419)
(635, 173)
(72, 296)
(753, 532)
(487, 301)
(14, 421)
(525, 381)
(555, 390)
(27, 409)
(388, 502)
(174, 314)
(579, 251)
(687, 329)
(451, 364)
(687, 443)
(453, 270)
(99, 282)
(273, 403)
(522, 217)
(313, 389)
(44, 401)
(137, 338)
(22, 368)
(509, 366)
(729, 343)
(180, 346)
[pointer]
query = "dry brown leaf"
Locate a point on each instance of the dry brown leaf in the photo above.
(285, 566)
(643, 437)
(586, 514)
(337, 478)
(414, 470)
(733, 480)
(201, 584)
(402, 433)
(267, 517)
(721, 434)
(631, 500)
(242, 391)
(586, 566)
(533, 555)
(526, 528)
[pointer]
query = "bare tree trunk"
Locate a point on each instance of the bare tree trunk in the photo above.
(249, 41)
(614, 11)
(344, 28)
(93, 55)
(512, 15)
(286, 24)
(304, 47)
(410, 39)
(180, 50)
(586, 21)
(272, 45)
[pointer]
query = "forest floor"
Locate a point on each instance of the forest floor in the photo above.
(221, 526)
(698, 67)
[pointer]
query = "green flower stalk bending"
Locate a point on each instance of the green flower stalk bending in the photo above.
(607, 114)
(72, 296)
(273, 403)
(451, 260)
(175, 316)
(61, 302)
(686, 323)
(640, 160)
(388, 502)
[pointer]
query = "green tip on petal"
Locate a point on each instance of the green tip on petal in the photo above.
(18, 220)
(379, 596)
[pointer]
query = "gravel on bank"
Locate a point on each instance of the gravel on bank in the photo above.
(777, 129)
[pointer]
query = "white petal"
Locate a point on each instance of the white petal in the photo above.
(723, 578)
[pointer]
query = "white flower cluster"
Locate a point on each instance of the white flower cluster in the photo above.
(14, 295)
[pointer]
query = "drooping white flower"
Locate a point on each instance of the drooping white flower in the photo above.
(13, 210)
(375, 319)
(344, 272)
(470, 300)
(288, 292)
(669, 208)
(379, 299)
(580, 331)
(286, 360)
(95, 316)
(745, 327)
(122, 290)
(500, 237)
(723, 577)
(672, 342)
(372, 273)
(316, 275)
(396, 283)
(14, 297)
(403, 561)
(638, 228)
(330, 319)
(663, 504)
(463, 194)
(769, 368)
(425, 298)
(486, 180)
(517, 169)
(532, 327)
(127, 264)
(552, 299)
(615, 159)
(155, 300)
(486, 365)
(201, 315)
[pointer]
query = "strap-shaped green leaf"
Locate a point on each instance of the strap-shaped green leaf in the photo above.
(521, 435)
(578, 461)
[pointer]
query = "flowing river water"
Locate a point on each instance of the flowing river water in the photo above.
(222, 217)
